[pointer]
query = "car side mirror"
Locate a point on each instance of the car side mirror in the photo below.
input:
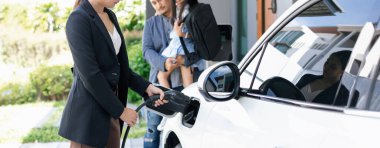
(220, 82)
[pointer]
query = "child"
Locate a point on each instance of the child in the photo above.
(175, 47)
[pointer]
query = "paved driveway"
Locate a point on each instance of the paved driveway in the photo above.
(17, 121)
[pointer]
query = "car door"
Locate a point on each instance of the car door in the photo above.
(306, 37)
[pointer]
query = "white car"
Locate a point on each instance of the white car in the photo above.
(256, 104)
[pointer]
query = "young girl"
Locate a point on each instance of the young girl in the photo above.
(175, 47)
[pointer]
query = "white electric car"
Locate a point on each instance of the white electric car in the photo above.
(256, 104)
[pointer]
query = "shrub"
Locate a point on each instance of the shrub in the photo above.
(45, 17)
(14, 93)
(51, 83)
(138, 65)
(131, 14)
(31, 49)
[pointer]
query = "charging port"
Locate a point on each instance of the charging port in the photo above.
(190, 114)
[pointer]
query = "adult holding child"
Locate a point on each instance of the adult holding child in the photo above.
(175, 48)
(156, 38)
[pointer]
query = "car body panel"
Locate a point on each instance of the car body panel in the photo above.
(254, 120)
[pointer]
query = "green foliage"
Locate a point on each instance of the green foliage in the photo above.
(43, 134)
(138, 65)
(51, 83)
(46, 17)
(49, 17)
(14, 15)
(46, 84)
(13, 93)
(130, 14)
(60, 103)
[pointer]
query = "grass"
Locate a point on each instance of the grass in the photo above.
(43, 134)
(137, 131)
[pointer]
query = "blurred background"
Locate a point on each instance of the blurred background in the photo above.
(35, 63)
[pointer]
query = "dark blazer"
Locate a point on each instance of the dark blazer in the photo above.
(98, 72)
(327, 95)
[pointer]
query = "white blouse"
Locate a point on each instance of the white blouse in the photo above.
(309, 95)
(116, 40)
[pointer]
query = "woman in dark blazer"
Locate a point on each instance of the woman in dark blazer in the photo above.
(95, 109)
(322, 89)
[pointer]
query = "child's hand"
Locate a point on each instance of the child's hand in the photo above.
(171, 64)
(174, 62)
(180, 60)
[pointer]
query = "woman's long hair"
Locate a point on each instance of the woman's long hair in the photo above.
(77, 2)
(192, 3)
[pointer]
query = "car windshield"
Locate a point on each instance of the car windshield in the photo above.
(304, 45)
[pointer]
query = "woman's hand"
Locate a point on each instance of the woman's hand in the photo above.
(177, 27)
(153, 90)
(129, 116)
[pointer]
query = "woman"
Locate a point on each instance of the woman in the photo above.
(95, 109)
(322, 89)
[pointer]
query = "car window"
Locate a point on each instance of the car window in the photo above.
(303, 46)
(365, 96)
(366, 83)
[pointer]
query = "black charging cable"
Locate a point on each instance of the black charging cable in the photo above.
(177, 102)
(149, 100)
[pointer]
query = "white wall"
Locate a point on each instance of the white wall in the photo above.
(251, 23)
(283, 5)
(225, 12)
(222, 10)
